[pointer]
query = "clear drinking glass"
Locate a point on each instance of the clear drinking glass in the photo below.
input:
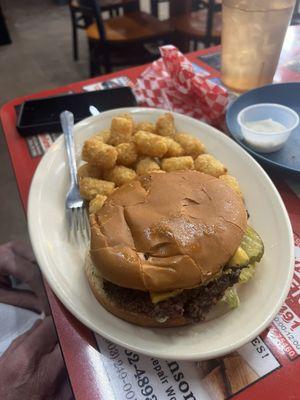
(252, 36)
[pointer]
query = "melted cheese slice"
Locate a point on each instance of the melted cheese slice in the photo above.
(239, 258)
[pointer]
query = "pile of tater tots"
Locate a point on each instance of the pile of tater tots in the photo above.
(118, 155)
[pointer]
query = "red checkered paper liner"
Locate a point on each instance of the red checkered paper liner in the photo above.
(171, 83)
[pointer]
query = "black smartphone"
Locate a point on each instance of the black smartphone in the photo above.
(42, 115)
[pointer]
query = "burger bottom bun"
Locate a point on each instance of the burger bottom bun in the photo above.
(96, 283)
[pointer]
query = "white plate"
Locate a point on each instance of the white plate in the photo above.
(62, 263)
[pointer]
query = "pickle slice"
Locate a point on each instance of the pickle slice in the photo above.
(252, 245)
(247, 273)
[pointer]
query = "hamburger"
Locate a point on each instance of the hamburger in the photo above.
(166, 247)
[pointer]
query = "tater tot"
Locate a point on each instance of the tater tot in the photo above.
(174, 148)
(98, 153)
(150, 144)
(145, 126)
(126, 115)
(127, 153)
(233, 183)
(89, 170)
(191, 145)
(210, 165)
(120, 130)
(165, 125)
(146, 165)
(102, 135)
(177, 163)
(90, 187)
(120, 175)
(96, 203)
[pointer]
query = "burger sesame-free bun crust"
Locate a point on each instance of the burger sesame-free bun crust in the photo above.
(96, 284)
(167, 231)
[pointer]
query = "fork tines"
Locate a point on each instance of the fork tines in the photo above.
(78, 224)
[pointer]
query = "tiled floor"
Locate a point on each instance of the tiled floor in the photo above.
(40, 57)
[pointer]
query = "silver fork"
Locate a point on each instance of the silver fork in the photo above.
(78, 226)
(94, 111)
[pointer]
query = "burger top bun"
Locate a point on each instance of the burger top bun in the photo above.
(167, 231)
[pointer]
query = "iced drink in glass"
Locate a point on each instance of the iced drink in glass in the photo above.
(252, 36)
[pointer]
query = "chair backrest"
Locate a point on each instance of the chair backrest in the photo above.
(195, 4)
(212, 7)
(88, 11)
(296, 14)
(215, 4)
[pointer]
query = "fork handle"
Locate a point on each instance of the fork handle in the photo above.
(67, 123)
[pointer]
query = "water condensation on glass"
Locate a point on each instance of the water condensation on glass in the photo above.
(252, 37)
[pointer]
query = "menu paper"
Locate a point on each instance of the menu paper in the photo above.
(39, 144)
(120, 81)
(135, 376)
(139, 377)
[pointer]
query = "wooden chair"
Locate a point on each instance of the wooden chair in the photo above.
(4, 34)
(296, 14)
(121, 40)
(113, 7)
(203, 25)
(195, 20)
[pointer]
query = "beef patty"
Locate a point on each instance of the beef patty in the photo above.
(193, 304)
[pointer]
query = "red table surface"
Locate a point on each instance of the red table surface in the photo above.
(82, 358)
